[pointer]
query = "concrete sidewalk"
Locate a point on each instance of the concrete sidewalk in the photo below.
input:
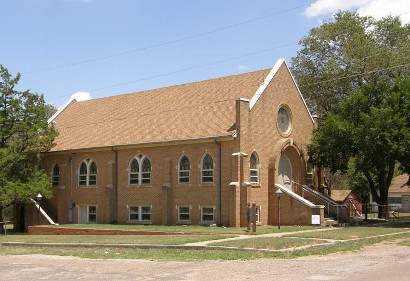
(243, 237)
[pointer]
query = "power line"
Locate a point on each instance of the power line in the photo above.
(165, 43)
(185, 69)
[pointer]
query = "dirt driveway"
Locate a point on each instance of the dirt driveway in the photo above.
(387, 261)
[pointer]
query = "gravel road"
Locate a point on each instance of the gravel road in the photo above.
(387, 261)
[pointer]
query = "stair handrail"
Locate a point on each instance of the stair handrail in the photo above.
(298, 197)
(41, 210)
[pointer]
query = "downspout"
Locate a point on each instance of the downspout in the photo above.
(115, 186)
(219, 185)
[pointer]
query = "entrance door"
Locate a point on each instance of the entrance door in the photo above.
(82, 214)
(285, 172)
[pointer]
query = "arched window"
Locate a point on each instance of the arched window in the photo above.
(254, 167)
(207, 168)
(55, 175)
(184, 170)
(88, 173)
(134, 172)
(139, 171)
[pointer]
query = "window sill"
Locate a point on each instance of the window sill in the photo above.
(211, 184)
(184, 222)
(138, 185)
(88, 186)
(183, 185)
(207, 222)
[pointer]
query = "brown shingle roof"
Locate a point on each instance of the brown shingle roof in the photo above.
(339, 195)
(187, 111)
(399, 184)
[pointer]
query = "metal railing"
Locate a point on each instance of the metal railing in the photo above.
(338, 211)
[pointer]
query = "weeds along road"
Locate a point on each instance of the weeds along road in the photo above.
(386, 261)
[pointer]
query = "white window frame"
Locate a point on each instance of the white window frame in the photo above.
(257, 170)
(58, 176)
(202, 215)
(258, 212)
(87, 163)
(179, 213)
(207, 170)
(140, 207)
(140, 158)
(88, 212)
(184, 171)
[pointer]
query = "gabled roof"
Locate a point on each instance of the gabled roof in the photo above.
(188, 111)
(339, 195)
(399, 184)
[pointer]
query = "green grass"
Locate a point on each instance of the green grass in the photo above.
(190, 228)
(272, 243)
(114, 239)
(190, 255)
(405, 243)
(351, 232)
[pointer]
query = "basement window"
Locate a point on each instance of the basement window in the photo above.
(139, 213)
(184, 213)
(207, 215)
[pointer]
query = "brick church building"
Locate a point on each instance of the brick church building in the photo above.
(195, 153)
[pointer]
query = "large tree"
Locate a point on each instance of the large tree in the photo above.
(342, 55)
(369, 130)
(24, 134)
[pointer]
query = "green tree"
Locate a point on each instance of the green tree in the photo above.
(368, 132)
(343, 55)
(24, 134)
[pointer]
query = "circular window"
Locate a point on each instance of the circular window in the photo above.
(284, 122)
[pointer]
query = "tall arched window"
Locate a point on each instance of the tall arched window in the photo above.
(55, 175)
(88, 173)
(139, 171)
(207, 167)
(184, 170)
(254, 168)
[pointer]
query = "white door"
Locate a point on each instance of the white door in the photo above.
(285, 172)
(82, 214)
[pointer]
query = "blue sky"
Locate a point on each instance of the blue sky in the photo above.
(39, 35)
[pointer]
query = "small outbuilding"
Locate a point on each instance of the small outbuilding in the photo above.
(348, 197)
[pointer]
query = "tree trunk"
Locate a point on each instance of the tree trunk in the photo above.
(1, 220)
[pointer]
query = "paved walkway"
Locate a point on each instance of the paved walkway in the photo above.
(381, 262)
(247, 236)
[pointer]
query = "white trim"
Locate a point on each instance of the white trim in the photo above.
(297, 197)
(76, 97)
(269, 78)
(88, 212)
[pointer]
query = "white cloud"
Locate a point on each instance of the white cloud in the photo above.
(242, 67)
(374, 8)
(81, 96)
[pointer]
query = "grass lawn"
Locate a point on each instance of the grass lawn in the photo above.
(191, 228)
(351, 232)
(189, 255)
(272, 243)
(115, 239)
